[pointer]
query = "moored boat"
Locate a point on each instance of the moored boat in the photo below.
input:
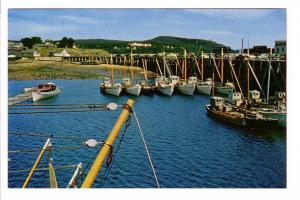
(186, 87)
(163, 86)
(204, 87)
(147, 89)
(44, 91)
(131, 89)
(224, 88)
(110, 88)
(276, 114)
(225, 113)
(257, 120)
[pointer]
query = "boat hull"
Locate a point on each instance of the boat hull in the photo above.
(147, 90)
(165, 90)
(134, 90)
(224, 89)
(204, 89)
(227, 118)
(113, 90)
(36, 95)
(187, 89)
(280, 115)
(262, 123)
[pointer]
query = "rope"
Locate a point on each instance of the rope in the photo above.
(62, 111)
(35, 150)
(146, 148)
(36, 134)
(42, 169)
(109, 165)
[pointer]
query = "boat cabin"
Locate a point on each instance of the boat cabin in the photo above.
(193, 79)
(126, 81)
(280, 96)
(254, 95)
(235, 98)
(46, 87)
(174, 79)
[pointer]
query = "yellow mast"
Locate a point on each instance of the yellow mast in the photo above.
(46, 145)
(92, 175)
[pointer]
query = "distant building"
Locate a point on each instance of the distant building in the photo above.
(217, 50)
(30, 53)
(259, 49)
(15, 46)
(135, 44)
(280, 47)
(64, 53)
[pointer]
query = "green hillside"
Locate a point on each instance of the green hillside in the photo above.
(158, 44)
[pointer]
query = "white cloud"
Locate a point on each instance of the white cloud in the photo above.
(233, 13)
(217, 32)
(19, 29)
(78, 19)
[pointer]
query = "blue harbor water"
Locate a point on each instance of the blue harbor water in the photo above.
(189, 149)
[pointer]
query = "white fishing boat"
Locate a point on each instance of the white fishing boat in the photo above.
(111, 88)
(187, 87)
(225, 88)
(131, 89)
(163, 86)
(30, 89)
(44, 91)
(204, 87)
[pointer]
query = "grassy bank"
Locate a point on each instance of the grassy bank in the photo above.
(34, 70)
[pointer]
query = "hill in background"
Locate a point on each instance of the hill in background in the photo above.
(158, 45)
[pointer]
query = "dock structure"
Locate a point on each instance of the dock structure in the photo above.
(19, 98)
(201, 65)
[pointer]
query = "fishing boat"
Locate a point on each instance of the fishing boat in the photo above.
(109, 87)
(187, 87)
(163, 86)
(279, 114)
(44, 91)
(256, 120)
(204, 87)
(225, 88)
(29, 89)
(224, 112)
(130, 88)
(147, 89)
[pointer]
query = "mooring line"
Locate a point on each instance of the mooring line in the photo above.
(146, 148)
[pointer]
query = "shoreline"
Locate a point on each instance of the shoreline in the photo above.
(43, 70)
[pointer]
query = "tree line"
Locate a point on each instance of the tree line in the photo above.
(65, 42)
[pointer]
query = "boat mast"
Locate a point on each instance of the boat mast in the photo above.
(269, 76)
(164, 59)
(213, 82)
(248, 78)
(222, 66)
(202, 65)
(107, 147)
(185, 65)
(46, 146)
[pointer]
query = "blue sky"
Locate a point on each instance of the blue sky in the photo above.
(226, 26)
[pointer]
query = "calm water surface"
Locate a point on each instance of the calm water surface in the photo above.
(189, 149)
